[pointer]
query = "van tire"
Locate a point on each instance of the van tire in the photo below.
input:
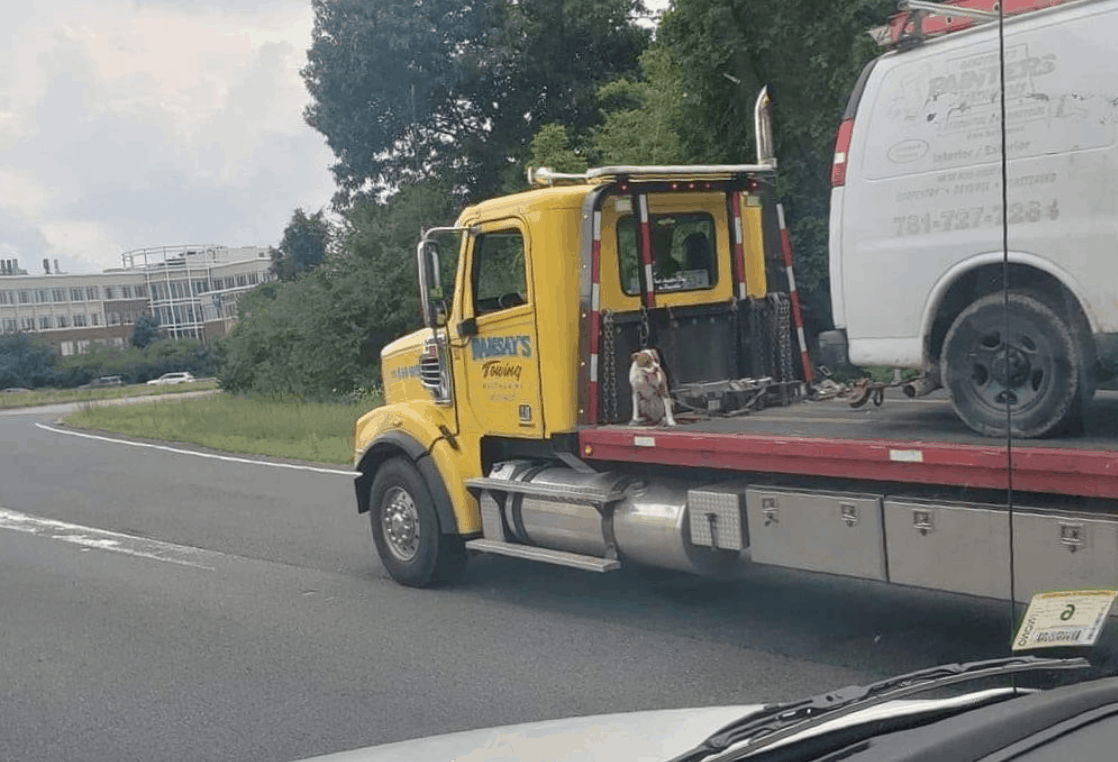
(1046, 383)
(406, 531)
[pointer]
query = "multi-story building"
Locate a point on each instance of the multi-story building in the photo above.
(193, 290)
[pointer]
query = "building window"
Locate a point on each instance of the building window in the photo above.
(92, 293)
(5, 297)
(28, 323)
(45, 322)
(141, 292)
(25, 297)
(110, 292)
(63, 321)
(79, 321)
(76, 295)
(10, 325)
(126, 292)
(128, 317)
(66, 348)
(95, 319)
(242, 280)
(253, 279)
(83, 346)
(42, 295)
(118, 341)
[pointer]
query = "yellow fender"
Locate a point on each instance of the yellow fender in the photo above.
(421, 432)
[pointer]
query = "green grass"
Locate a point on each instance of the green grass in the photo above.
(313, 431)
(57, 396)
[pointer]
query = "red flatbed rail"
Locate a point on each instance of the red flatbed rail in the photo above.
(908, 441)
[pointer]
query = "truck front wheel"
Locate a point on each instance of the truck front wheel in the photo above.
(1029, 360)
(406, 531)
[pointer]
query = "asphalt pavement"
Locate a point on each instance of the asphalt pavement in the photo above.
(163, 605)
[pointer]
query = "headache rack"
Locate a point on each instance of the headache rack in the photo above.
(919, 20)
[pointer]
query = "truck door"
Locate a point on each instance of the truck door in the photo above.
(501, 365)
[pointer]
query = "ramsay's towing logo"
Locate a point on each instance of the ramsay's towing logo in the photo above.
(500, 346)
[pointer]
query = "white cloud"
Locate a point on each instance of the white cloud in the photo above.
(150, 123)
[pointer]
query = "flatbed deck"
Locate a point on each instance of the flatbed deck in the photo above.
(915, 441)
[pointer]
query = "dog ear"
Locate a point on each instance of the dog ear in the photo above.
(633, 357)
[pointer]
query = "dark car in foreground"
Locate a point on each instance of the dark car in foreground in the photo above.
(873, 723)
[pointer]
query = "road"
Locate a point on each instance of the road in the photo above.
(238, 612)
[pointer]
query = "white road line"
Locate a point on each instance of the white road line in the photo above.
(102, 539)
(212, 456)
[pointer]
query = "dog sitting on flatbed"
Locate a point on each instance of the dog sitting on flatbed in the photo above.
(652, 400)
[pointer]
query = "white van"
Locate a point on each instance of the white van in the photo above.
(916, 216)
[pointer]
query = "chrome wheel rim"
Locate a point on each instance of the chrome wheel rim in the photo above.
(400, 521)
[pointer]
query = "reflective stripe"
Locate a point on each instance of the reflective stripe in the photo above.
(594, 369)
(595, 296)
(791, 279)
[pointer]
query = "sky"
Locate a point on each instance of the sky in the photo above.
(126, 124)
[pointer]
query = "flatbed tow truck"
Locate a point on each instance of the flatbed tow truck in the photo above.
(505, 424)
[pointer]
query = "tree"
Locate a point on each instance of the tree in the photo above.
(146, 331)
(810, 54)
(304, 245)
(551, 149)
(642, 118)
(321, 335)
(25, 362)
(411, 90)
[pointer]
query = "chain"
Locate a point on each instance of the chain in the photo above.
(782, 326)
(609, 362)
(758, 314)
(735, 332)
(644, 332)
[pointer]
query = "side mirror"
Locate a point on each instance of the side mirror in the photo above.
(431, 299)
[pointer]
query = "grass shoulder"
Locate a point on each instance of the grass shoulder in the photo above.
(318, 432)
(38, 397)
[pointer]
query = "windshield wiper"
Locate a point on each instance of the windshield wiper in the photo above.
(776, 722)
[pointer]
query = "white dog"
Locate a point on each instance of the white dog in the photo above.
(652, 400)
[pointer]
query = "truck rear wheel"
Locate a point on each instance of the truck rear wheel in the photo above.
(1035, 367)
(406, 531)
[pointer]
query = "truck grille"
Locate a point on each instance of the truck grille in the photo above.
(433, 371)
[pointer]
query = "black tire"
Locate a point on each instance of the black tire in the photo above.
(411, 543)
(1045, 381)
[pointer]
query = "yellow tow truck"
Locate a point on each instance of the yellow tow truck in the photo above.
(508, 424)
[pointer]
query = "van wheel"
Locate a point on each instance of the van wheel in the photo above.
(1035, 367)
(406, 531)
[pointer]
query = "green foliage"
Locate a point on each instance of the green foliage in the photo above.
(145, 332)
(304, 245)
(135, 365)
(642, 118)
(25, 361)
(409, 91)
(551, 148)
(320, 335)
(810, 54)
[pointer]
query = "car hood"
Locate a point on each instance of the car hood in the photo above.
(652, 736)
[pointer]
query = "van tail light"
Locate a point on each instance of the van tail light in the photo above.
(842, 147)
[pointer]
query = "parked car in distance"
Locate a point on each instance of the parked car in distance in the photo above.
(172, 378)
(104, 381)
